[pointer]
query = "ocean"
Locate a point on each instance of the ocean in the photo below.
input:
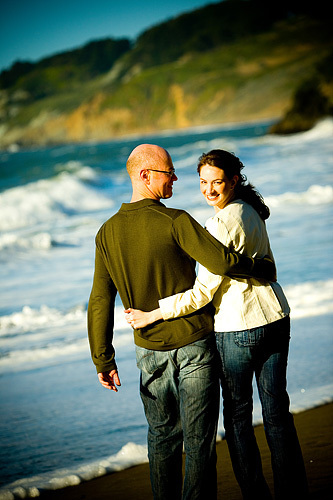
(58, 425)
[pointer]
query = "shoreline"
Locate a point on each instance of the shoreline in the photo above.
(315, 432)
(142, 134)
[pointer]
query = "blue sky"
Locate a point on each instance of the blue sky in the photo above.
(33, 29)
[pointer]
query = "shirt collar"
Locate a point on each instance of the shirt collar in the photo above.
(137, 205)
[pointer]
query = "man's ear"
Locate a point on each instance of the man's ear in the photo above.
(144, 174)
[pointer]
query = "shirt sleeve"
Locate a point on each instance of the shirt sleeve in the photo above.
(199, 244)
(101, 316)
(205, 286)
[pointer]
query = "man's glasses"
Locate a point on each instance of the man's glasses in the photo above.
(168, 172)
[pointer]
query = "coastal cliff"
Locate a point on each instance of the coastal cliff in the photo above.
(234, 61)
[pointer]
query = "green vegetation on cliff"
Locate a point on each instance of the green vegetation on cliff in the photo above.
(59, 72)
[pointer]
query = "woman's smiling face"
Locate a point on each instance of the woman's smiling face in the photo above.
(217, 189)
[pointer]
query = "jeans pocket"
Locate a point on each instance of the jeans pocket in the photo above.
(151, 362)
(200, 352)
(144, 359)
(249, 338)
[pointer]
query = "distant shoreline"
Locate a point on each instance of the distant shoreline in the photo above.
(196, 129)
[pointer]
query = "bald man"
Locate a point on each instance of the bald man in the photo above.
(145, 252)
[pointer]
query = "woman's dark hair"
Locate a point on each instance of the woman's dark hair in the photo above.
(231, 165)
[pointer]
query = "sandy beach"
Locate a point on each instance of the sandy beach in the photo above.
(315, 433)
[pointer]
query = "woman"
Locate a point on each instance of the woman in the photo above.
(252, 328)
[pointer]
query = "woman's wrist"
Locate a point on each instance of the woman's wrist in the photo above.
(155, 315)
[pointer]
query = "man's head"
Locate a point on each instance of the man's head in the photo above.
(151, 171)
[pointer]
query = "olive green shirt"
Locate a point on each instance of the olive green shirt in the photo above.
(145, 252)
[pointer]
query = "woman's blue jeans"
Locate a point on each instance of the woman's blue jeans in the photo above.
(180, 393)
(262, 352)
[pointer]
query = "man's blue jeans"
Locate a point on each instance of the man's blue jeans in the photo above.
(180, 393)
(262, 352)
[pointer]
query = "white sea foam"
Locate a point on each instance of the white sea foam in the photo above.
(37, 337)
(315, 195)
(131, 454)
(50, 200)
(30, 319)
(37, 241)
(322, 130)
(36, 358)
(310, 299)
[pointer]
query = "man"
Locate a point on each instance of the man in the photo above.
(145, 252)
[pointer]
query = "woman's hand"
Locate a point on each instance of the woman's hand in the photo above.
(140, 319)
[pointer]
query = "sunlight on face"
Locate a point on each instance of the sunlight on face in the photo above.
(161, 182)
(217, 189)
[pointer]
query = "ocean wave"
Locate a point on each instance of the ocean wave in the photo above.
(322, 130)
(29, 319)
(315, 195)
(38, 241)
(54, 353)
(314, 298)
(52, 199)
(131, 454)
(34, 338)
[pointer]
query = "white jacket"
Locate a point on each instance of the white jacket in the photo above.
(240, 304)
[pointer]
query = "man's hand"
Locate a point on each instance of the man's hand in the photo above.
(109, 380)
(264, 268)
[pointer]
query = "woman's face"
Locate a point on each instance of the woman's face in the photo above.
(217, 189)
